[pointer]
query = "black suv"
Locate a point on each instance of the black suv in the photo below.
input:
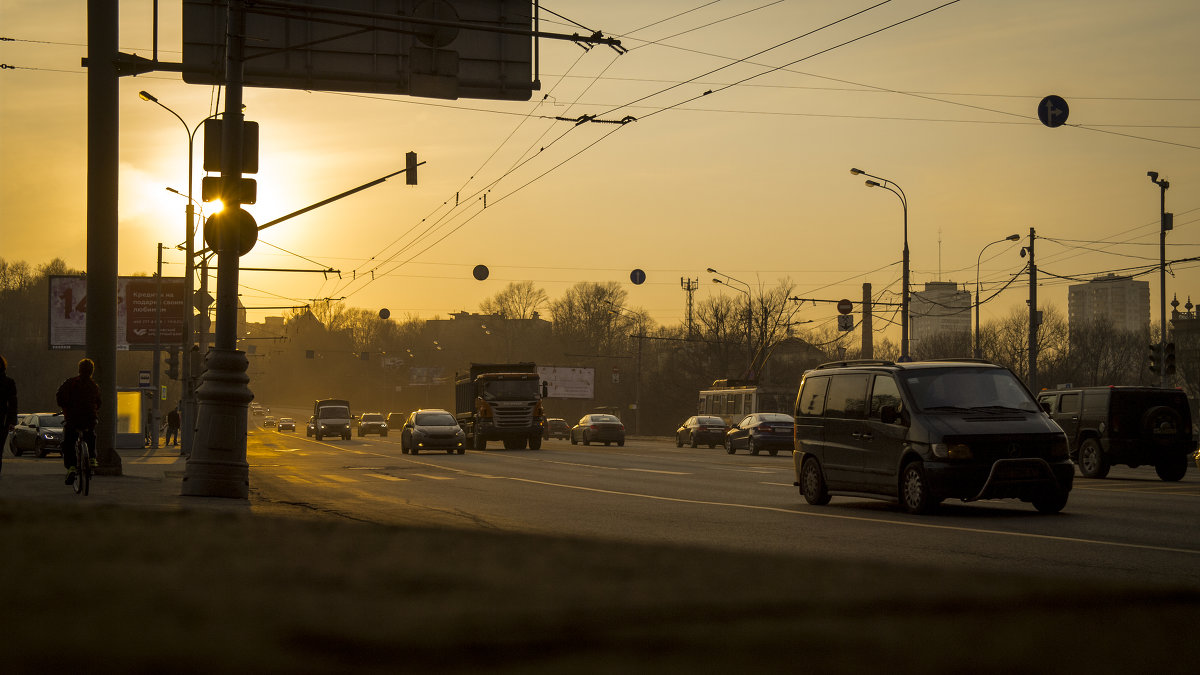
(925, 431)
(372, 423)
(1124, 425)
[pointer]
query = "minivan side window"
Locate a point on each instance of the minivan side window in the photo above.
(885, 392)
(1068, 403)
(811, 401)
(847, 396)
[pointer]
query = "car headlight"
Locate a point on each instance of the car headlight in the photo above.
(951, 450)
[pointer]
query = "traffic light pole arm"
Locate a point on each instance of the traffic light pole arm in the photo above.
(332, 199)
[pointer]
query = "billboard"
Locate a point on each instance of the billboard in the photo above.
(137, 312)
(367, 46)
(569, 382)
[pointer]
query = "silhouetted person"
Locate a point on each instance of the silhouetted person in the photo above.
(172, 427)
(79, 398)
(8, 406)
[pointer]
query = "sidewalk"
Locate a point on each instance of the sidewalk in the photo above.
(150, 478)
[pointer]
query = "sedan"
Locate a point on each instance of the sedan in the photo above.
(286, 424)
(701, 429)
(432, 430)
(312, 426)
(600, 428)
(556, 427)
(269, 422)
(38, 433)
(761, 431)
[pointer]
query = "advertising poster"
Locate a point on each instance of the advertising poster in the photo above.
(137, 312)
(569, 382)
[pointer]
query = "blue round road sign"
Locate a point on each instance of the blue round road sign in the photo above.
(637, 276)
(1053, 111)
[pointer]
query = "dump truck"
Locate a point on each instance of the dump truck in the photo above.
(501, 402)
(331, 417)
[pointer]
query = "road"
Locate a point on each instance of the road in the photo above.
(1129, 527)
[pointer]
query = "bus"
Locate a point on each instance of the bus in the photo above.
(732, 400)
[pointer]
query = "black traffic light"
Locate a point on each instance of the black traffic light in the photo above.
(410, 168)
(173, 364)
(1154, 359)
(1169, 359)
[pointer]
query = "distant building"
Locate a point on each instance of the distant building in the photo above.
(1121, 302)
(941, 309)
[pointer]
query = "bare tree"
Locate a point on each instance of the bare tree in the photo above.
(593, 316)
(518, 300)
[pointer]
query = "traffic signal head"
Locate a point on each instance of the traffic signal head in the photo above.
(1154, 364)
(1169, 359)
(410, 168)
(173, 364)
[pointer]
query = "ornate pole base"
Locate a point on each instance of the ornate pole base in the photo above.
(217, 464)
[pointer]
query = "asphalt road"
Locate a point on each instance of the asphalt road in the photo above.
(1130, 527)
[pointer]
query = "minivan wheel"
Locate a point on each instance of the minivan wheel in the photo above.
(914, 491)
(1092, 463)
(1050, 501)
(1171, 470)
(812, 483)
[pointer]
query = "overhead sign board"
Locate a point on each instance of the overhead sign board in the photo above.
(367, 46)
(140, 325)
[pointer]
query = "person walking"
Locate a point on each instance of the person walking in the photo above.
(172, 427)
(8, 407)
(79, 398)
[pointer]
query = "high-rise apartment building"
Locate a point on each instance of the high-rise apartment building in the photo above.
(942, 308)
(1121, 302)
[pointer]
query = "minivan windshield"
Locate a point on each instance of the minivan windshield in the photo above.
(967, 389)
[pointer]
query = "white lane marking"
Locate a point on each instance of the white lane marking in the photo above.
(339, 479)
(779, 484)
(669, 473)
(383, 476)
(425, 475)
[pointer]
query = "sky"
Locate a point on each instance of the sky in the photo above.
(752, 180)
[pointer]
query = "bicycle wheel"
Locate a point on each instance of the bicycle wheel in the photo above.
(83, 469)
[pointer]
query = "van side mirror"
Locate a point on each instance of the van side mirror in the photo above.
(888, 414)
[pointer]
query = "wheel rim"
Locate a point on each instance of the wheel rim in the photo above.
(1087, 459)
(810, 480)
(913, 488)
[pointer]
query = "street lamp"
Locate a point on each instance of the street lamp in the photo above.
(749, 316)
(1165, 223)
(189, 408)
(896, 190)
(978, 260)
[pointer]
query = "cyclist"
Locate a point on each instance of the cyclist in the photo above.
(79, 398)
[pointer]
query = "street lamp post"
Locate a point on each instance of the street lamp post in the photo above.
(891, 186)
(1165, 223)
(978, 260)
(749, 315)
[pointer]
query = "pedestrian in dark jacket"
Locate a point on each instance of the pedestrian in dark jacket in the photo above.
(79, 398)
(172, 427)
(8, 406)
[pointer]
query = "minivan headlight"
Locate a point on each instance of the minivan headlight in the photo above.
(952, 450)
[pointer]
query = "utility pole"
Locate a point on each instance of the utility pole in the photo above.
(1166, 222)
(690, 286)
(156, 381)
(1034, 318)
(868, 335)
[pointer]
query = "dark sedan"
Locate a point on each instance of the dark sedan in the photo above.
(701, 430)
(604, 429)
(39, 433)
(761, 431)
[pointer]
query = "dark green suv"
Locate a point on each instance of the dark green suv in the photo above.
(923, 432)
(1134, 426)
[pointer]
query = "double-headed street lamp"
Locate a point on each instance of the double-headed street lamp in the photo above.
(895, 189)
(1165, 223)
(749, 315)
(978, 260)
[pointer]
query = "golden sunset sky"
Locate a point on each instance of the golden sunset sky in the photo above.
(752, 180)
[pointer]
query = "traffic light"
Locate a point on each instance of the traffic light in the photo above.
(410, 168)
(1169, 359)
(1154, 359)
(173, 364)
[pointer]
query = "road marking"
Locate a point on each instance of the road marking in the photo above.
(297, 479)
(861, 519)
(669, 473)
(425, 475)
(384, 476)
(339, 479)
(779, 484)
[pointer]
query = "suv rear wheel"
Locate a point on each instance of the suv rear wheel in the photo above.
(1171, 470)
(1092, 463)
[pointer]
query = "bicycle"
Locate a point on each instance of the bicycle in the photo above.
(83, 467)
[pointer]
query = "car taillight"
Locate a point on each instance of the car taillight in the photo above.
(622, 426)
(593, 427)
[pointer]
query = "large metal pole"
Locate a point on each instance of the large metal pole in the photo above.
(1033, 316)
(103, 168)
(155, 382)
(187, 423)
(904, 352)
(1162, 281)
(217, 466)
(868, 332)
